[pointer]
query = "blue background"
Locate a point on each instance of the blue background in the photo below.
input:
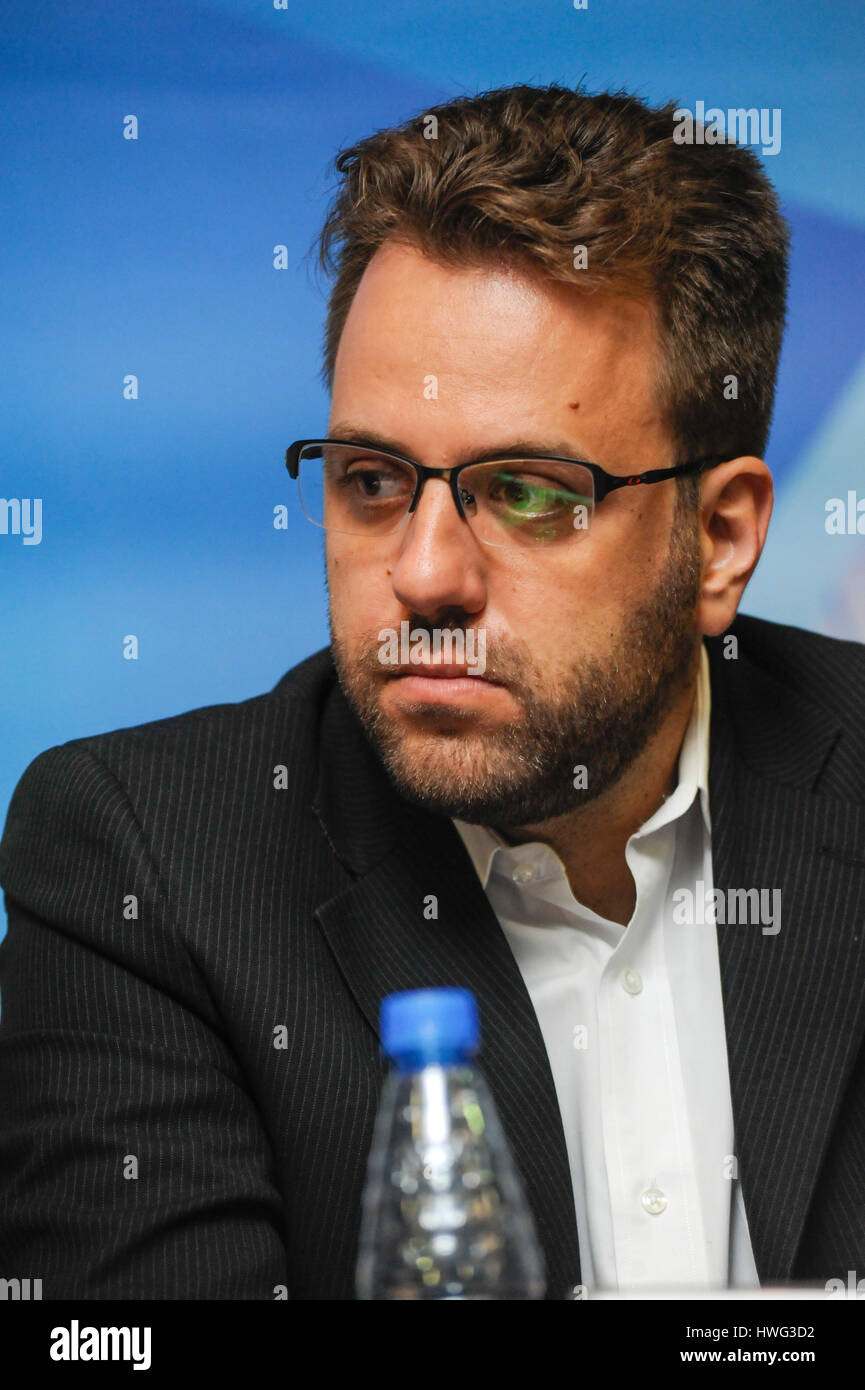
(155, 257)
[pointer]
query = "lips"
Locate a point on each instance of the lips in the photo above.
(445, 687)
(440, 670)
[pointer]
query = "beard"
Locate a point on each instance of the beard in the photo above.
(599, 715)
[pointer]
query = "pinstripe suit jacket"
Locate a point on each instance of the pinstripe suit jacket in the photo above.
(189, 1062)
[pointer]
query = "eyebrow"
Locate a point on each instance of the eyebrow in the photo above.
(514, 448)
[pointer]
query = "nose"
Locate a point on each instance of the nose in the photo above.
(441, 565)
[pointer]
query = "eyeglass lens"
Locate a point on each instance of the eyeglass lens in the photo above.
(514, 502)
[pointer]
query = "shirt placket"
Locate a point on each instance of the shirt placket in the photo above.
(647, 1150)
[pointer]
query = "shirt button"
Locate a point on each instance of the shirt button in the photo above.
(653, 1201)
(631, 981)
(523, 873)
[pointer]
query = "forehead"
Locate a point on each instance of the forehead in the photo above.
(495, 333)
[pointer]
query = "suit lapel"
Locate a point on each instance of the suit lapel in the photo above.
(382, 931)
(793, 1001)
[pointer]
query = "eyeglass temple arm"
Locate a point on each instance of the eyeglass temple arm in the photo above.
(658, 475)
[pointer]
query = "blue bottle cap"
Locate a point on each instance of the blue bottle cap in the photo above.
(424, 1026)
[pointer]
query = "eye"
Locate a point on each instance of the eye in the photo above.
(366, 480)
(374, 477)
(527, 492)
(371, 479)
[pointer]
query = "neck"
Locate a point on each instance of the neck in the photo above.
(591, 840)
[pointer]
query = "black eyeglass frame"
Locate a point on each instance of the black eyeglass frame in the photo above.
(604, 482)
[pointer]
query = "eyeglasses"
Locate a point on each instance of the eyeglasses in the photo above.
(361, 490)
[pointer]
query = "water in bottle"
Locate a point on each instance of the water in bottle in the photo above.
(444, 1214)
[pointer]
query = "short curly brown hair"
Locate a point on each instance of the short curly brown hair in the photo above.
(527, 174)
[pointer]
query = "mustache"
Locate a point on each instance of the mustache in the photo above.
(509, 660)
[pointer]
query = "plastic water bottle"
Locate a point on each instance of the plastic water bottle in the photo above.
(444, 1215)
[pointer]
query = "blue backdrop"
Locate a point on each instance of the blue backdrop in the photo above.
(154, 257)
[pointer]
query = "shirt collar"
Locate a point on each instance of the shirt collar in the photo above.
(483, 843)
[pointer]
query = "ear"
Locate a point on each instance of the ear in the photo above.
(735, 506)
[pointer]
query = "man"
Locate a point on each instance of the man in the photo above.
(543, 759)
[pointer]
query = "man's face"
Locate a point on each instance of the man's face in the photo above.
(587, 643)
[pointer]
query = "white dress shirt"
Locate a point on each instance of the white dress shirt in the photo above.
(632, 1018)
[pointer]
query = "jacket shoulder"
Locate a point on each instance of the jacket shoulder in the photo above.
(828, 672)
(794, 702)
(296, 699)
(219, 750)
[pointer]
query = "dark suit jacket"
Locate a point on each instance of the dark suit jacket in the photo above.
(269, 915)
